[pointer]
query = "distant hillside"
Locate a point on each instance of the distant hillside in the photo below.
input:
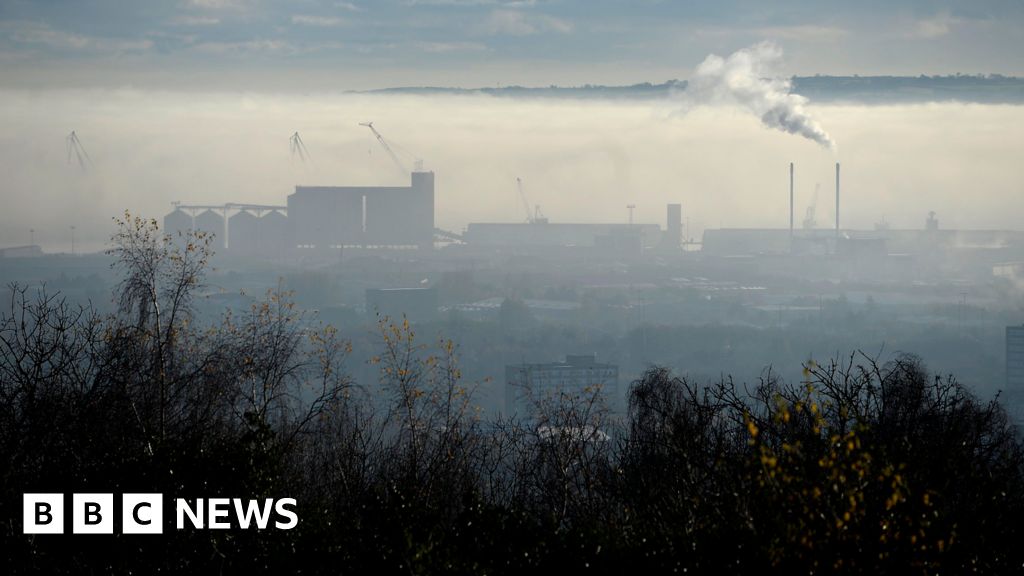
(881, 89)
(644, 90)
(992, 89)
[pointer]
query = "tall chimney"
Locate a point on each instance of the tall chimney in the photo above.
(790, 201)
(837, 199)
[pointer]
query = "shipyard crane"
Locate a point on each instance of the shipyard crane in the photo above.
(298, 147)
(532, 217)
(418, 164)
(526, 203)
(74, 145)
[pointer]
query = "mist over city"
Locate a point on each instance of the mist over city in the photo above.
(494, 287)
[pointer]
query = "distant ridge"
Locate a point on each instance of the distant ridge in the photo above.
(990, 89)
(644, 90)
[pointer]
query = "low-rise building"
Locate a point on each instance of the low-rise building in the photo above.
(528, 386)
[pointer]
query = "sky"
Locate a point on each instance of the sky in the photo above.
(313, 45)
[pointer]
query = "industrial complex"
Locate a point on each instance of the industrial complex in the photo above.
(318, 220)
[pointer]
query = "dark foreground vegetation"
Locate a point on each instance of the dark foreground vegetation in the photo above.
(861, 468)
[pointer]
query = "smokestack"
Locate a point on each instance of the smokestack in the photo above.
(790, 201)
(837, 199)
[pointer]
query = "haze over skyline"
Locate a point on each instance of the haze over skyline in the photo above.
(194, 101)
(580, 160)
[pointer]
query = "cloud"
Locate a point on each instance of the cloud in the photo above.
(471, 3)
(321, 21)
(449, 2)
(807, 33)
(44, 34)
(446, 47)
(517, 23)
(196, 21)
(264, 46)
(348, 6)
(217, 4)
(939, 25)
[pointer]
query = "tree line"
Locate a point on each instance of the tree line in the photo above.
(862, 467)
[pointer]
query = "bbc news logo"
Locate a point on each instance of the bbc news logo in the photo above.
(144, 513)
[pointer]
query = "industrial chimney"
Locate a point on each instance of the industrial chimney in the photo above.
(837, 199)
(791, 202)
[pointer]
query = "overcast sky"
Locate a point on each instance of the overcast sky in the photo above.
(305, 45)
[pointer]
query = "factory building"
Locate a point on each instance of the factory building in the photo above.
(548, 234)
(318, 218)
(30, 251)
(527, 385)
(756, 241)
(331, 217)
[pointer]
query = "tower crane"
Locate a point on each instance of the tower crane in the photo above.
(418, 164)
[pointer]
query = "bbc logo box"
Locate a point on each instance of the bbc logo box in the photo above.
(43, 514)
(92, 513)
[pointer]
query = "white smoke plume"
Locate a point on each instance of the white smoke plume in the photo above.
(743, 79)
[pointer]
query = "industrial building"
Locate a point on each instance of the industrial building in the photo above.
(332, 217)
(762, 241)
(319, 219)
(527, 385)
(615, 239)
(254, 230)
(673, 238)
(546, 234)
(30, 251)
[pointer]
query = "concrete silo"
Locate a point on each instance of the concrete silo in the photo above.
(178, 224)
(213, 224)
(274, 238)
(243, 234)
